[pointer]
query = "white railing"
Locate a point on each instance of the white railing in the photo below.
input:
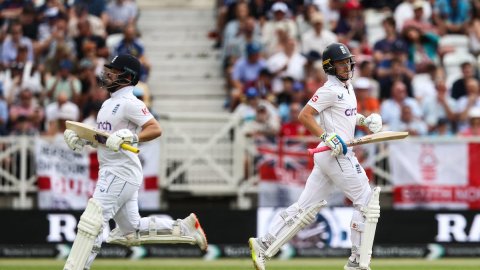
(201, 154)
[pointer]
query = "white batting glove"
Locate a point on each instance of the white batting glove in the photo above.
(73, 141)
(119, 137)
(373, 122)
(336, 144)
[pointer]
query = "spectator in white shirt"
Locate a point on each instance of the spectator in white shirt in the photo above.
(317, 38)
(390, 108)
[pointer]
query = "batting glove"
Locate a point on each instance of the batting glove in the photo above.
(336, 144)
(373, 122)
(73, 141)
(119, 137)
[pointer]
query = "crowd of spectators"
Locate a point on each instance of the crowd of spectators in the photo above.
(51, 55)
(271, 53)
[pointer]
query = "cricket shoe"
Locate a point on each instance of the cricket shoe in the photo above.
(354, 266)
(258, 253)
(196, 231)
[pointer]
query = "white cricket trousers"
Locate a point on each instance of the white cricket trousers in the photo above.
(119, 200)
(346, 173)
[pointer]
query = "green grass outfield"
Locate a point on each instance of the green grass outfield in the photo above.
(241, 264)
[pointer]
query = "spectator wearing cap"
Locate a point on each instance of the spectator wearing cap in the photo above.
(351, 28)
(131, 44)
(366, 103)
(245, 72)
(120, 13)
(13, 42)
(459, 86)
(317, 38)
(439, 106)
(60, 110)
(451, 16)
(259, 116)
(473, 127)
(280, 25)
(288, 62)
(26, 116)
(405, 11)
(422, 48)
(64, 82)
(418, 20)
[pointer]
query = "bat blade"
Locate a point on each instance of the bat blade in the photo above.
(371, 138)
(93, 135)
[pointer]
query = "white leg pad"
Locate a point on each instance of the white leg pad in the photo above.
(304, 218)
(89, 227)
(153, 236)
(371, 213)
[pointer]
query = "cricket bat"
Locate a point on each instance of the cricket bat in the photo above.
(93, 135)
(371, 138)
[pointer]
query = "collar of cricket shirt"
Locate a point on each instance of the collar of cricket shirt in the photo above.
(122, 91)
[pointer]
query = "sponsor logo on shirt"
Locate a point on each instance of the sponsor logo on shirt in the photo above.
(115, 109)
(340, 97)
(145, 111)
(351, 112)
(315, 98)
(104, 126)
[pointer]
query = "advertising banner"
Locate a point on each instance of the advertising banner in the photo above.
(66, 180)
(435, 175)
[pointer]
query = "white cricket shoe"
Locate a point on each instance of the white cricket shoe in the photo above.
(196, 231)
(258, 254)
(354, 266)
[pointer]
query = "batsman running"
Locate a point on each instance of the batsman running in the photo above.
(128, 120)
(335, 102)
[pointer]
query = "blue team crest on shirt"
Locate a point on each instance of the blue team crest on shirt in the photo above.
(340, 97)
(115, 109)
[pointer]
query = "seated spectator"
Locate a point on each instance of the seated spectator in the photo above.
(405, 11)
(390, 109)
(232, 28)
(286, 63)
(397, 71)
(234, 47)
(409, 122)
(366, 103)
(131, 44)
(95, 7)
(13, 42)
(20, 75)
(85, 34)
(3, 113)
(89, 49)
(120, 14)
(422, 48)
(442, 128)
(473, 127)
(88, 80)
(245, 72)
(57, 38)
(258, 115)
(57, 111)
(418, 20)
(64, 82)
(317, 38)
(315, 81)
(473, 29)
(351, 26)
(451, 16)
(280, 21)
(292, 126)
(439, 106)
(366, 70)
(91, 113)
(304, 19)
(383, 48)
(458, 87)
(80, 13)
(469, 101)
(26, 116)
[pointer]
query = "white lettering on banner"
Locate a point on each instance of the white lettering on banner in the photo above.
(59, 224)
(453, 227)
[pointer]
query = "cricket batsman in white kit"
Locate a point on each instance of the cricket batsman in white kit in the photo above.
(335, 102)
(128, 120)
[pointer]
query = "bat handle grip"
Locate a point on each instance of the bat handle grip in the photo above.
(130, 148)
(312, 151)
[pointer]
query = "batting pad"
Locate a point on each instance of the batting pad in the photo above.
(89, 227)
(371, 214)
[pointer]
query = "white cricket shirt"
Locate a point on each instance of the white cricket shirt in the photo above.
(337, 108)
(122, 110)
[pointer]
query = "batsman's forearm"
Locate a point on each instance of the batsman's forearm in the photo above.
(150, 131)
